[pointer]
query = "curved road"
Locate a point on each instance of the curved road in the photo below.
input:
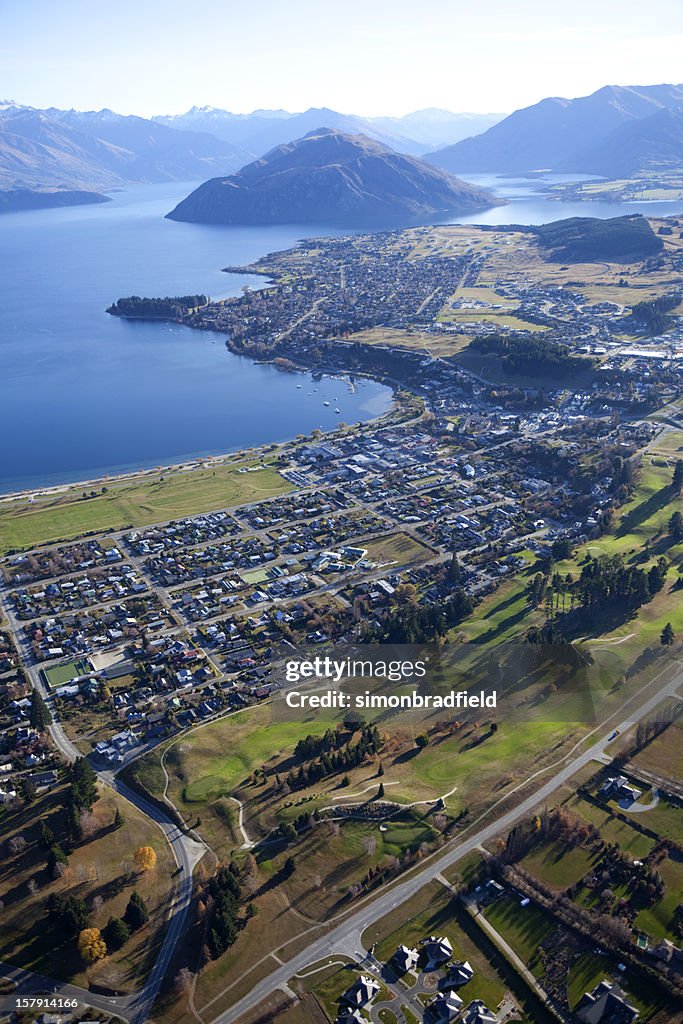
(346, 938)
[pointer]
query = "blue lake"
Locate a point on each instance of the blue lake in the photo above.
(83, 393)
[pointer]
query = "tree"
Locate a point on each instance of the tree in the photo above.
(27, 790)
(676, 526)
(118, 819)
(668, 636)
(135, 914)
(380, 770)
(380, 791)
(68, 913)
(116, 933)
(91, 945)
(145, 858)
(47, 836)
(677, 479)
(39, 715)
(421, 740)
(454, 573)
(182, 983)
(289, 866)
(55, 859)
(83, 785)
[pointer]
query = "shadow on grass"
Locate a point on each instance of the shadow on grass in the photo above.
(655, 503)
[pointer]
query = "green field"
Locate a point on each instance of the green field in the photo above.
(658, 920)
(557, 864)
(612, 829)
(138, 501)
(57, 675)
(506, 614)
(665, 819)
(431, 912)
(523, 928)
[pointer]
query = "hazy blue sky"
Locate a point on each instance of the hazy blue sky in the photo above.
(360, 56)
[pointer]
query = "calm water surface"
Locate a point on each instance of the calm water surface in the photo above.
(83, 393)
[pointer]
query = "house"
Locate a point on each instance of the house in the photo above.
(437, 950)
(45, 779)
(405, 958)
(351, 1017)
(362, 992)
(605, 1005)
(478, 1013)
(446, 1006)
(460, 973)
(619, 788)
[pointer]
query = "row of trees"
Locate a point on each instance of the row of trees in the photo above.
(350, 756)
(606, 585)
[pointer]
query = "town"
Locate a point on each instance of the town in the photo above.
(518, 511)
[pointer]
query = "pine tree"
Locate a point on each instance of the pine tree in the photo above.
(668, 636)
(39, 716)
(677, 479)
(380, 770)
(675, 526)
(118, 818)
(380, 791)
(135, 914)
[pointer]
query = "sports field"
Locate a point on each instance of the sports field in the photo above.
(58, 675)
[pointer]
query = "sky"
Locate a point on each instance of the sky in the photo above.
(367, 57)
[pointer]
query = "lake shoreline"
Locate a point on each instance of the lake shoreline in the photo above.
(199, 461)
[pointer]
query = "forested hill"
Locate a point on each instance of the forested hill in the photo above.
(590, 239)
(170, 308)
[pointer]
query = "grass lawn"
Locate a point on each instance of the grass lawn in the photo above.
(57, 675)
(100, 866)
(612, 829)
(557, 864)
(588, 971)
(438, 345)
(524, 928)
(665, 754)
(432, 912)
(658, 920)
(397, 549)
(137, 501)
(584, 974)
(665, 819)
(332, 987)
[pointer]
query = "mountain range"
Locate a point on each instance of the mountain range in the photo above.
(615, 131)
(53, 157)
(331, 177)
(56, 151)
(261, 130)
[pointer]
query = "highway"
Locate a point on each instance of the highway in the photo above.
(346, 938)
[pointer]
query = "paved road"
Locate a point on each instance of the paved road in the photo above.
(346, 938)
(29, 983)
(186, 852)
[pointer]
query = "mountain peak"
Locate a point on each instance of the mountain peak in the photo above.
(329, 177)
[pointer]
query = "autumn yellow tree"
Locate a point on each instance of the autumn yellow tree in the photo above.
(91, 945)
(145, 858)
